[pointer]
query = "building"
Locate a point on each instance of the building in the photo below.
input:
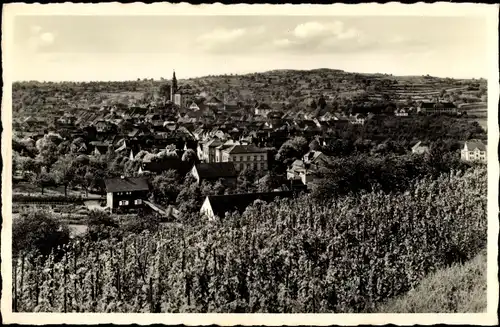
(218, 205)
(474, 151)
(263, 109)
(403, 112)
(126, 193)
(358, 119)
(244, 156)
(437, 108)
(307, 169)
(420, 148)
(208, 150)
(212, 172)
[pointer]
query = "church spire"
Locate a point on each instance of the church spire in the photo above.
(174, 83)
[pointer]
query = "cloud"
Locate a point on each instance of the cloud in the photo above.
(223, 39)
(47, 38)
(315, 30)
(39, 40)
(323, 37)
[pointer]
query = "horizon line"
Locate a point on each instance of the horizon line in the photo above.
(247, 73)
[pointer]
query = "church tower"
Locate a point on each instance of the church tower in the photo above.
(173, 87)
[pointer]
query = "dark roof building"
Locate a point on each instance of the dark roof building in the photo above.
(214, 171)
(218, 205)
(123, 184)
(250, 148)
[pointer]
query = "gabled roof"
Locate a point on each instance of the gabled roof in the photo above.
(236, 149)
(476, 144)
(126, 184)
(221, 204)
(213, 143)
(419, 144)
(216, 170)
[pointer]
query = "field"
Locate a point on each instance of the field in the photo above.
(346, 256)
(458, 289)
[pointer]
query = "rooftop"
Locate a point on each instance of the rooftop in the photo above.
(236, 149)
(126, 184)
(216, 170)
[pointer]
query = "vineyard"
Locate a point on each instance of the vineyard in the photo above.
(289, 257)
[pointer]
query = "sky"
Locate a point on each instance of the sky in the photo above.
(84, 48)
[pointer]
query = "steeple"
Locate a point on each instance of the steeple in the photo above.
(174, 83)
(173, 87)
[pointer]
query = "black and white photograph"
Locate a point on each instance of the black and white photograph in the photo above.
(268, 160)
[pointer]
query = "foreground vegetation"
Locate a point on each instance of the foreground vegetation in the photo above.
(342, 255)
(458, 289)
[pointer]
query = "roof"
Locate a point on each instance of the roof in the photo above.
(264, 106)
(163, 165)
(420, 144)
(126, 184)
(221, 204)
(214, 143)
(473, 145)
(216, 170)
(245, 149)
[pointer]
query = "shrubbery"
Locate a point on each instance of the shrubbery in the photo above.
(291, 256)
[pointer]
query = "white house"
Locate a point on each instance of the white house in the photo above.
(474, 151)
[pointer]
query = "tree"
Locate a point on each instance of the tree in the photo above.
(42, 179)
(314, 145)
(190, 197)
(165, 187)
(101, 225)
(292, 149)
(64, 172)
(47, 152)
(37, 230)
(190, 157)
(322, 103)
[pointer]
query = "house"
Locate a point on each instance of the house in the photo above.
(474, 151)
(213, 102)
(245, 156)
(99, 148)
(215, 171)
(307, 170)
(218, 205)
(437, 108)
(194, 106)
(209, 150)
(420, 148)
(102, 126)
(403, 112)
(358, 119)
(126, 193)
(67, 119)
(263, 109)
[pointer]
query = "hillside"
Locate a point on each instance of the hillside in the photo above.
(458, 289)
(287, 89)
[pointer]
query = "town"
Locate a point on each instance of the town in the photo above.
(266, 144)
(222, 156)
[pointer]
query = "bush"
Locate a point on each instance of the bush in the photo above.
(46, 199)
(37, 230)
